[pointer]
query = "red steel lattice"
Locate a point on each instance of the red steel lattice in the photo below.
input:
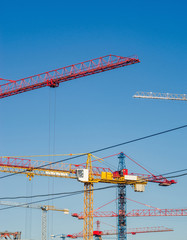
(138, 213)
(157, 212)
(54, 77)
(132, 231)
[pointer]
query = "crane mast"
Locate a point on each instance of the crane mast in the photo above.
(122, 202)
(163, 96)
(88, 203)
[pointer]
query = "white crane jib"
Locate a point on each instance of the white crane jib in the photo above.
(166, 96)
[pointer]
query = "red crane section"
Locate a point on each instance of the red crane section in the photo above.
(96, 214)
(157, 212)
(139, 213)
(132, 231)
(54, 77)
(10, 235)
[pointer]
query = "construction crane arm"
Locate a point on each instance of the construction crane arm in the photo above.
(157, 212)
(138, 213)
(52, 208)
(166, 96)
(132, 231)
(79, 172)
(30, 205)
(96, 214)
(55, 77)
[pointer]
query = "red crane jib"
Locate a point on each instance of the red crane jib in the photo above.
(54, 77)
(157, 212)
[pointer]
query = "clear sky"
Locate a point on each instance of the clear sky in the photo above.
(96, 111)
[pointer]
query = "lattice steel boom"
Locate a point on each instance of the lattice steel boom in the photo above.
(55, 77)
(164, 96)
(157, 212)
(138, 213)
(98, 233)
(132, 231)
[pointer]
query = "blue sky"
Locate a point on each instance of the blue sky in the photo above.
(95, 111)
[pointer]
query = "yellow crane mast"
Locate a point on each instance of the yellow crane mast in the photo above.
(164, 96)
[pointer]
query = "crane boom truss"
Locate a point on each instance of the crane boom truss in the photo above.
(64, 170)
(132, 231)
(44, 168)
(54, 77)
(157, 212)
(166, 96)
(139, 213)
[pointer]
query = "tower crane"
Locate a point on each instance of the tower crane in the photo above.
(55, 77)
(122, 202)
(44, 209)
(164, 96)
(84, 173)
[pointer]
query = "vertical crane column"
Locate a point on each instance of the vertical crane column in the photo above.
(88, 203)
(122, 221)
(44, 223)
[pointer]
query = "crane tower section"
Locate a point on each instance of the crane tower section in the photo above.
(122, 202)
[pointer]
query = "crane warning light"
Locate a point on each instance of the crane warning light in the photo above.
(97, 233)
